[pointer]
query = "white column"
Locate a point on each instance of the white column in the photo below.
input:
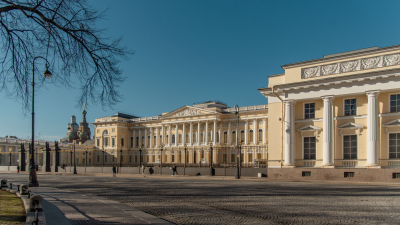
(145, 137)
(169, 135)
(265, 132)
(328, 132)
(198, 133)
(184, 133)
(246, 132)
(220, 133)
(151, 138)
(157, 137)
(176, 135)
(255, 131)
(162, 134)
(372, 129)
(289, 133)
(229, 133)
(214, 132)
(140, 138)
(191, 134)
(206, 133)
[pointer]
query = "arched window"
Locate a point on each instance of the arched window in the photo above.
(234, 136)
(260, 135)
(131, 141)
(173, 139)
(143, 140)
(242, 136)
(225, 137)
(187, 138)
(154, 140)
(194, 138)
(201, 137)
(137, 141)
(209, 137)
(166, 139)
(180, 138)
(251, 135)
(217, 138)
(148, 141)
(105, 132)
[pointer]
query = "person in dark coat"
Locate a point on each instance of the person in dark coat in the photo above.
(114, 171)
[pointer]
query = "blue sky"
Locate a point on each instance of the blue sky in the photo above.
(191, 51)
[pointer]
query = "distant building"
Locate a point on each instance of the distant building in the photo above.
(80, 133)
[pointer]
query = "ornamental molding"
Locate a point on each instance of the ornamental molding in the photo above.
(188, 112)
(351, 65)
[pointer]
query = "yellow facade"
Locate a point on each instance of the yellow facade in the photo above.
(339, 111)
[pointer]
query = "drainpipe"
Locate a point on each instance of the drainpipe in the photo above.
(283, 119)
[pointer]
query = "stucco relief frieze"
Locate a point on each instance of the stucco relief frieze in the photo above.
(352, 65)
(188, 112)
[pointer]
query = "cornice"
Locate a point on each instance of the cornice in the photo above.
(340, 57)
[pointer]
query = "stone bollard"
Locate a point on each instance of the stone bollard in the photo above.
(24, 189)
(32, 200)
(4, 183)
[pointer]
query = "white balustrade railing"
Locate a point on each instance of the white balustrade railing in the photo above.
(349, 163)
(394, 163)
(309, 163)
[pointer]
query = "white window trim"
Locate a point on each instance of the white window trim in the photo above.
(344, 106)
(304, 110)
(388, 147)
(316, 146)
(358, 135)
(396, 93)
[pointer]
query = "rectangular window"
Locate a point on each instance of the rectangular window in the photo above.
(173, 158)
(258, 155)
(122, 158)
(250, 157)
(350, 147)
(154, 158)
(130, 158)
(395, 103)
(306, 173)
(394, 146)
(309, 111)
(260, 135)
(348, 174)
(106, 141)
(90, 161)
(350, 107)
(98, 131)
(225, 137)
(241, 158)
(122, 142)
(113, 130)
(233, 158)
(98, 142)
(112, 142)
(309, 147)
(147, 158)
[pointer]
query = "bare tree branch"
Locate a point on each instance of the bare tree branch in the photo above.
(64, 32)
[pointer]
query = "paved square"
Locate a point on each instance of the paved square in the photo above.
(216, 201)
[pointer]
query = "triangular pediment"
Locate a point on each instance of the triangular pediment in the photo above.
(309, 128)
(188, 111)
(350, 126)
(393, 123)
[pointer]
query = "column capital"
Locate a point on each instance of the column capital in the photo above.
(328, 97)
(373, 93)
(289, 101)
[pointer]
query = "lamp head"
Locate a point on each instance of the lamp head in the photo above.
(47, 74)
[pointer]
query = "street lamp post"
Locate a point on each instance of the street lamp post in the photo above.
(120, 160)
(70, 163)
(85, 159)
(33, 182)
(102, 167)
(184, 165)
(10, 159)
(211, 159)
(161, 147)
(74, 161)
(140, 156)
(237, 175)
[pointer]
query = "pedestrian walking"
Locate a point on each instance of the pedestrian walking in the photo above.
(143, 169)
(18, 169)
(114, 171)
(174, 171)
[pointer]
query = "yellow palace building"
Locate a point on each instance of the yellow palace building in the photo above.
(338, 116)
(190, 130)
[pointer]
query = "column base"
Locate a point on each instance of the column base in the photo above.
(328, 166)
(292, 166)
(373, 166)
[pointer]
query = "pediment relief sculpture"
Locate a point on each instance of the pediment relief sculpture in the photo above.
(188, 112)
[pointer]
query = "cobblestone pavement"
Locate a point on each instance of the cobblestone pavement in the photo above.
(216, 201)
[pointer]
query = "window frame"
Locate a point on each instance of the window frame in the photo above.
(350, 146)
(303, 154)
(388, 144)
(390, 101)
(344, 107)
(304, 110)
